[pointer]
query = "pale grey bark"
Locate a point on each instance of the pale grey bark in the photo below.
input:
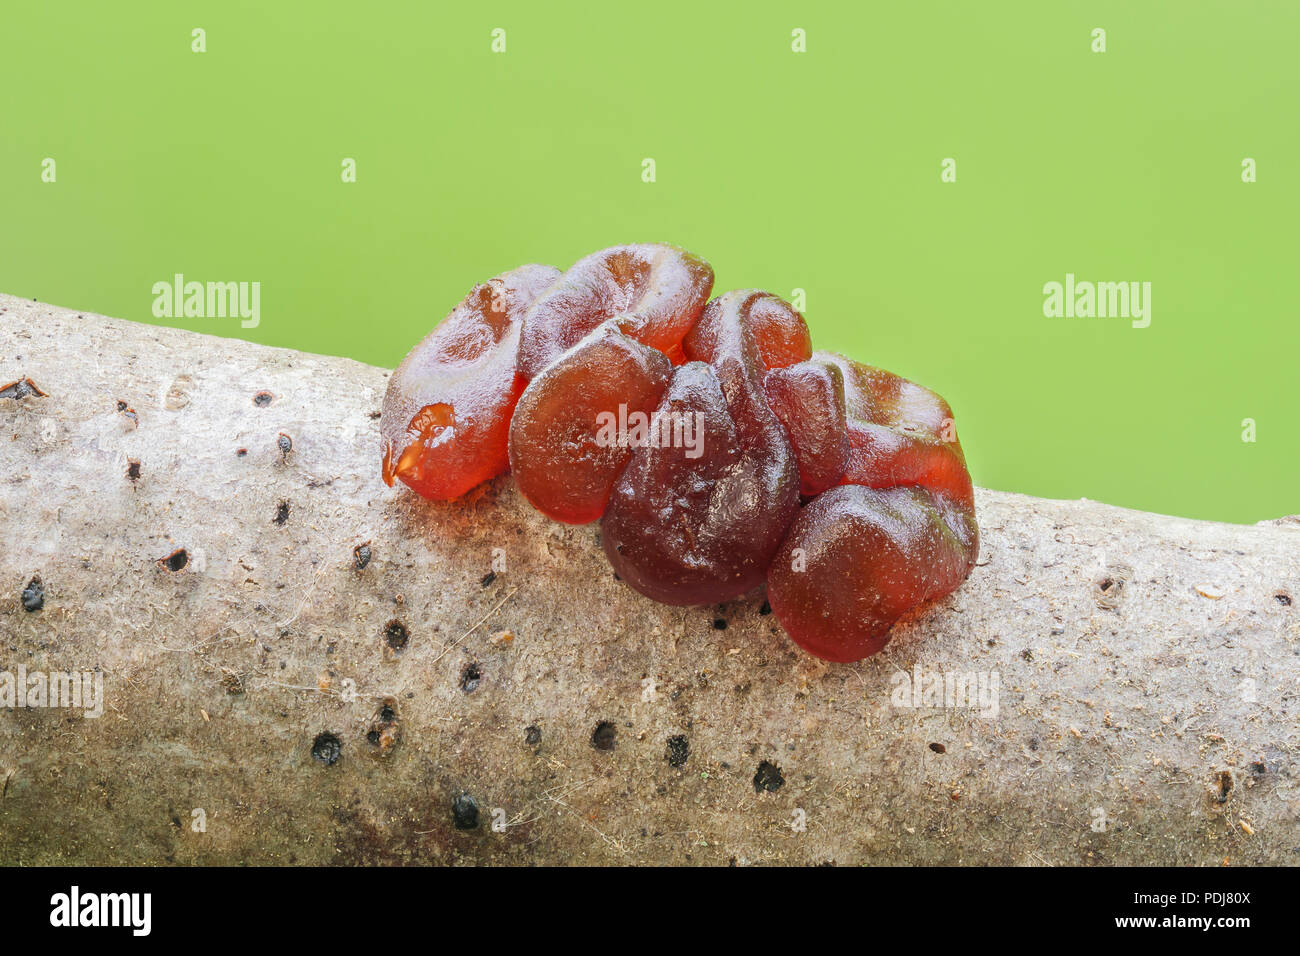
(1151, 719)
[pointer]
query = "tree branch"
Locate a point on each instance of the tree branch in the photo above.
(1140, 674)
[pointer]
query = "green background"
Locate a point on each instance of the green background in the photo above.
(818, 171)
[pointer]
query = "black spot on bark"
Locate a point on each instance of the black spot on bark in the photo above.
(679, 748)
(532, 735)
(1223, 786)
(263, 398)
(34, 595)
(1282, 598)
(361, 556)
(327, 748)
(21, 389)
(395, 634)
(464, 812)
(719, 623)
(765, 608)
(605, 736)
(470, 678)
(176, 561)
(1109, 588)
(939, 748)
(282, 513)
(488, 578)
(132, 469)
(768, 778)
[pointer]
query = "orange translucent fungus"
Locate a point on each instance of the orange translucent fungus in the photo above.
(857, 559)
(446, 414)
(715, 446)
(899, 530)
(808, 398)
(779, 331)
(695, 522)
(655, 291)
(569, 439)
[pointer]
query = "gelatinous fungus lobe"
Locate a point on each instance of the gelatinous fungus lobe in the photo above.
(897, 532)
(900, 433)
(808, 398)
(446, 414)
(574, 426)
(779, 331)
(656, 293)
(857, 559)
(701, 508)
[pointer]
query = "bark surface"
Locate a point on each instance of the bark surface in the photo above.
(1146, 668)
